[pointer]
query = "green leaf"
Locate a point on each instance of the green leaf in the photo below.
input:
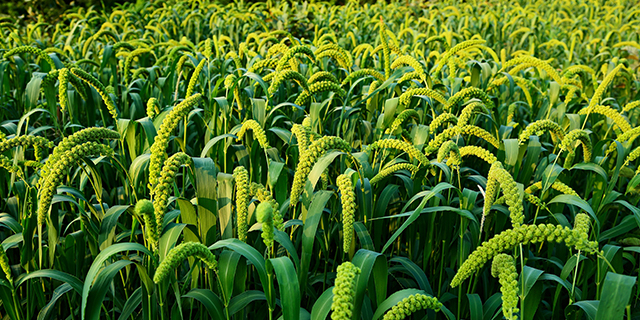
(241, 301)
(322, 306)
(74, 282)
(96, 266)
(550, 175)
(417, 273)
(205, 150)
(225, 192)
(318, 202)
(169, 238)
(283, 239)
(475, 306)
(592, 167)
(108, 225)
(529, 278)
(633, 209)
(616, 292)
(6, 296)
(589, 307)
(32, 92)
(427, 195)
(373, 270)
(210, 301)
(250, 254)
(45, 313)
(289, 287)
(227, 266)
(99, 289)
(578, 202)
(205, 172)
(132, 304)
(511, 149)
(321, 165)
(363, 235)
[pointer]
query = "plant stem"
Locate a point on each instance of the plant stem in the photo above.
(575, 276)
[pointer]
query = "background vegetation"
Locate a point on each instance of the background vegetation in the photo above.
(305, 161)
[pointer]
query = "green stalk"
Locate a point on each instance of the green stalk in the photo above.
(441, 269)
(575, 276)
(460, 263)
(522, 275)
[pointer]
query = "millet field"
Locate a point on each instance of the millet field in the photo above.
(289, 160)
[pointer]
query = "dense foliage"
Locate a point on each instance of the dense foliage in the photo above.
(307, 161)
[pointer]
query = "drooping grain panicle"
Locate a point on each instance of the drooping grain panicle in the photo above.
(282, 76)
(208, 49)
(176, 256)
(59, 169)
(144, 208)
(597, 95)
(170, 122)
(610, 113)
(466, 94)
(498, 176)
(411, 304)
(80, 137)
(412, 62)
(264, 215)
(128, 62)
(479, 152)
(322, 76)
(258, 132)
(556, 185)
(405, 98)
(450, 151)
(470, 130)
(469, 110)
(6, 266)
(567, 144)
(164, 187)
(385, 49)
(504, 268)
(318, 87)
(344, 292)
(524, 62)
(411, 150)
(538, 128)
(8, 165)
(348, 199)
(337, 52)
(291, 53)
(153, 108)
(33, 50)
(462, 46)
(631, 106)
(241, 177)
(441, 120)
(363, 73)
(317, 149)
(633, 155)
(260, 65)
(302, 136)
(524, 234)
(63, 81)
(29, 140)
(392, 169)
(100, 88)
(341, 59)
(401, 118)
(194, 78)
(263, 195)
